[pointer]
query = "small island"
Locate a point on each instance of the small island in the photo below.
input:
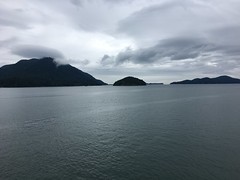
(130, 81)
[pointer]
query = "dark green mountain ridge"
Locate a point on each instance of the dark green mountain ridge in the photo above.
(44, 72)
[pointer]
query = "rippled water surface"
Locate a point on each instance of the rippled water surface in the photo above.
(153, 132)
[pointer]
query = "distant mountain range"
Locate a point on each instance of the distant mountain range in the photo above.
(44, 72)
(206, 80)
(130, 81)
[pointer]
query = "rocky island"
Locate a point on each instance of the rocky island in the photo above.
(44, 72)
(130, 81)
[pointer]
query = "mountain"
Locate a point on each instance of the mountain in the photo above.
(206, 80)
(130, 81)
(44, 72)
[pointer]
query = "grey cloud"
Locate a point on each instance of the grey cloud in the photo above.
(85, 62)
(74, 62)
(175, 49)
(227, 35)
(178, 18)
(153, 20)
(81, 2)
(105, 57)
(87, 15)
(120, 1)
(107, 60)
(8, 42)
(13, 18)
(30, 51)
(76, 2)
(13, 23)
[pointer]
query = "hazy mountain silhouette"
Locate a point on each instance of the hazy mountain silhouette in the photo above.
(44, 72)
(206, 80)
(130, 81)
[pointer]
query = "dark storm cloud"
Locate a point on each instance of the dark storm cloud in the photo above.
(33, 51)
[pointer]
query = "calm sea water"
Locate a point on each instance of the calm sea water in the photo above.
(153, 132)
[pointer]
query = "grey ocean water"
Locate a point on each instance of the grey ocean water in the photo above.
(153, 132)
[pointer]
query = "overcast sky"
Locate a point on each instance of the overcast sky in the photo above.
(156, 40)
